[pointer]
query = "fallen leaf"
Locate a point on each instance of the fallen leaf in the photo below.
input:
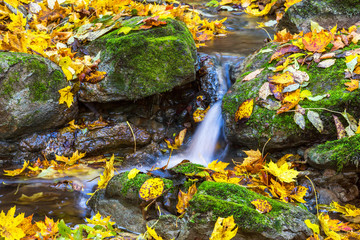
(262, 206)
(224, 229)
(326, 63)
(33, 198)
(314, 227)
(97, 219)
(199, 114)
(10, 225)
(305, 94)
(151, 188)
(153, 233)
(316, 42)
(133, 172)
(66, 96)
(244, 111)
(299, 193)
(283, 51)
(353, 85)
(217, 166)
(16, 172)
(339, 128)
(299, 119)
(283, 36)
(264, 91)
(47, 227)
(282, 78)
(289, 101)
(252, 75)
(283, 173)
(315, 119)
(289, 3)
(184, 199)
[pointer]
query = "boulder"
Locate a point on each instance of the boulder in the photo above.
(142, 62)
(29, 98)
(327, 13)
(341, 155)
(281, 128)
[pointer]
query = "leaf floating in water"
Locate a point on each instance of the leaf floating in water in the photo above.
(315, 119)
(151, 188)
(244, 111)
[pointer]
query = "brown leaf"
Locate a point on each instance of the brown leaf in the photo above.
(184, 198)
(252, 75)
(341, 133)
(290, 100)
(326, 63)
(283, 51)
(264, 91)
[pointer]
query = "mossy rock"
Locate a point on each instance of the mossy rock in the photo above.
(342, 154)
(213, 200)
(29, 98)
(327, 13)
(143, 62)
(284, 133)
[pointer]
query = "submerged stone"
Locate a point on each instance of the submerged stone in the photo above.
(143, 62)
(29, 98)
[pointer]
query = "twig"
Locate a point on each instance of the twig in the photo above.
(133, 135)
(317, 206)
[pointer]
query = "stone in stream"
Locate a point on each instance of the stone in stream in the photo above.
(142, 63)
(121, 201)
(281, 128)
(328, 13)
(29, 98)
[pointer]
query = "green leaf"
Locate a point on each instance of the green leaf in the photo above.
(317, 98)
(64, 230)
(124, 30)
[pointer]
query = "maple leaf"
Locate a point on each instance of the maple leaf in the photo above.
(133, 172)
(16, 172)
(27, 226)
(99, 220)
(283, 36)
(353, 85)
(10, 225)
(72, 160)
(300, 192)
(289, 3)
(66, 96)
(314, 227)
(223, 177)
(283, 173)
(282, 78)
(262, 206)
(254, 10)
(316, 42)
(152, 22)
(330, 226)
(279, 191)
(151, 188)
(252, 157)
(224, 229)
(217, 166)
(153, 233)
(18, 22)
(184, 199)
(289, 101)
(108, 173)
(244, 111)
(283, 51)
(199, 114)
(348, 210)
(48, 227)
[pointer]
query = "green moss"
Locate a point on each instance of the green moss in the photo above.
(188, 168)
(224, 199)
(8, 86)
(339, 154)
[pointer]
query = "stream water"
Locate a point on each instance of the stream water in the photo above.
(58, 201)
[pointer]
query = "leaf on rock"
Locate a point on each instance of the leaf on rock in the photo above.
(107, 174)
(153, 233)
(299, 119)
(16, 172)
(289, 3)
(283, 51)
(66, 96)
(124, 30)
(152, 22)
(264, 91)
(97, 219)
(151, 189)
(353, 85)
(252, 75)
(200, 114)
(316, 42)
(244, 111)
(289, 101)
(341, 133)
(262, 206)
(133, 172)
(184, 199)
(314, 227)
(283, 36)
(178, 140)
(283, 173)
(224, 229)
(326, 63)
(282, 78)
(316, 121)
(217, 166)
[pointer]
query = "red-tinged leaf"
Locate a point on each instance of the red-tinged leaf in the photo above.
(316, 42)
(244, 111)
(276, 89)
(283, 36)
(290, 100)
(152, 22)
(341, 133)
(283, 51)
(262, 206)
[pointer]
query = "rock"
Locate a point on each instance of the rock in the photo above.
(281, 128)
(145, 157)
(223, 199)
(341, 155)
(328, 13)
(29, 98)
(110, 137)
(142, 63)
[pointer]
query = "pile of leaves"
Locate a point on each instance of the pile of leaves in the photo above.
(59, 30)
(285, 90)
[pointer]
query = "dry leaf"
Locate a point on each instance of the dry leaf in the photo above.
(353, 85)
(264, 91)
(326, 63)
(262, 206)
(244, 111)
(151, 188)
(252, 75)
(339, 128)
(224, 229)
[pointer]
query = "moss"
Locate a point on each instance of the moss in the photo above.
(224, 199)
(148, 61)
(188, 168)
(8, 86)
(338, 154)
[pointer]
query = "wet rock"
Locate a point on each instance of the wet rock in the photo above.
(110, 138)
(29, 98)
(209, 76)
(341, 155)
(8, 150)
(329, 13)
(281, 128)
(156, 129)
(142, 63)
(146, 157)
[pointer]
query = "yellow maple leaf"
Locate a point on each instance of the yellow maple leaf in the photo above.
(108, 173)
(325, 224)
(283, 173)
(199, 114)
(244, 111)
(252, 156)
(66, 96)
(224, 229)
(262, 206)
(316, 42)
(153, 233)
(16, 171)
(151, 188)
(99, 220)
(299, 194)
(47, 227)
(177, 141)
(18, 22)
(133, 172)
(217, 166)
(348, 210)
(353, 85)
(72, 160)
(289, 3)
(254, 10)
(9, 225)
(184, 199)
(314, 227)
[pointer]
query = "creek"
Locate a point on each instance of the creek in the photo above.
(59, 201)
